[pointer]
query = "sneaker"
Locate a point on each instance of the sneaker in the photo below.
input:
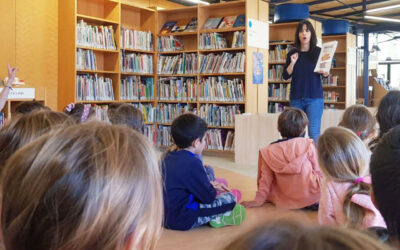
(232, 218)
(237, 194)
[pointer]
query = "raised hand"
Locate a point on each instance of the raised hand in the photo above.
(294, 57)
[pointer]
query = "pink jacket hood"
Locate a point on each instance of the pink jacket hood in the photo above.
(285, 157)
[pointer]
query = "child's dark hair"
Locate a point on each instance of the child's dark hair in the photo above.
(358, 119)
(29, 106)
(292, 122)
(79, 112)
(187, 128)
(127, 114)
(111, 108)
(385, 172)
(313, 39)
(388, 114)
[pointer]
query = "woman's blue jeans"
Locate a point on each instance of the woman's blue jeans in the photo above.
(313, 107)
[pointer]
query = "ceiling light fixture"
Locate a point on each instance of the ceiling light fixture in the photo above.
(198, 1)
(383, 8)
(383, 19)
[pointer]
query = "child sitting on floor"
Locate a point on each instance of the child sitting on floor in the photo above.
(345, 192)
(127, 114)
(358, 119)
(80, 112)
(190, 199)
(288, 171)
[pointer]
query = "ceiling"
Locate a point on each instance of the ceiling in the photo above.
(351, 10)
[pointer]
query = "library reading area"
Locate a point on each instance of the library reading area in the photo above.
(200, 124)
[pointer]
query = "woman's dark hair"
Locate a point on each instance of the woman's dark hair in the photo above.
(385, 172)
(186, 128)
(313, 39)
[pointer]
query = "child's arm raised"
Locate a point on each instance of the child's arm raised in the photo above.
(7, 87)
(264, 183)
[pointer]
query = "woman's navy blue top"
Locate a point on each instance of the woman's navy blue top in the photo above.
(305, 82)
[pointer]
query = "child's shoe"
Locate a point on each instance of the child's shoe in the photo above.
(237, 194)
(231, 218)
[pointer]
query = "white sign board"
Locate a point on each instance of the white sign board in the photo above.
(21, 93)
(257, 34)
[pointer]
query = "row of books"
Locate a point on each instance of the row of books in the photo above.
(331, 80)
(221, 89)
(149, 112)
(224, 22)
(222, 63)
(101, 112)
(178, 64)
(177, 89)
(219, 115)
(169, 43)
(150, 131)
(179, 26)
(212, 41)
(136, 39)
(275, 73)
(279, 53)
(101, 37)
(164, 138)
(220, 139)
(166, 113)
(275, 107)
(331, 96)
(137, 63)
(239, 39)
(137, 88)
(279, 92)
(85, 60)
(93, 88)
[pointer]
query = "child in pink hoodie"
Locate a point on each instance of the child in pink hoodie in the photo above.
(345, 192)
(288, 171)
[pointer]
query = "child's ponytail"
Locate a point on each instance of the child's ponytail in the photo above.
(355, 213)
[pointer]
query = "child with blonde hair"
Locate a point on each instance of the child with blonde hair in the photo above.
(345, 193)
(24, 129)
(90, 186)
(358, 119)
(288, 171)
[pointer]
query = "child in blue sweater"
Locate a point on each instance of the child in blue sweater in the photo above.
(190, 199)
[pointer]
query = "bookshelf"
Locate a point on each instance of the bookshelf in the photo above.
(339, 88)
(281, 36)
(164, 102)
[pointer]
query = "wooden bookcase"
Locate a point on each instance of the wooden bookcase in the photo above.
(119, 13)
(344, 67)
(282, 35)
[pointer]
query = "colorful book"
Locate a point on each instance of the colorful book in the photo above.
(212, 23)
(167, 27)
(192, 25)
(227, 22)
(179, 27)
(240, 21)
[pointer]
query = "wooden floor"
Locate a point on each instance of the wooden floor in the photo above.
(209, 238)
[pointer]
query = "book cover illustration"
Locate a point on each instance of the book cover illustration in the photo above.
(227, 22)
(192, 25)
(212, 23)
(258, 74)
(325, 57)
(240, 21)
(167, 27)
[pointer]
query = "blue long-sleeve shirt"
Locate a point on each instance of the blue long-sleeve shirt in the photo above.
(185, 186)
(305, 82)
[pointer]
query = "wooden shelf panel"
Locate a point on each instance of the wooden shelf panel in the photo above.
(97, 49)
(137, 51)
(165, 124)
(271, 63)
(223, 30)
(187, 33)
(97, 20)
(221, 127)
(132, 5)
(338, 68)
(177, 52)
(333, 36)
(220, 50)
(96, 71)
(238, 3)
(269, 100)
(136, 74)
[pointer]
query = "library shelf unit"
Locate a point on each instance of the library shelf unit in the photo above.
(339, 87)
(122, 15)
(281, 36)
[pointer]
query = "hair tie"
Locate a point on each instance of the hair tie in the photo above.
(359, 180)
(358, 133)
(85, 114)
(70, 107)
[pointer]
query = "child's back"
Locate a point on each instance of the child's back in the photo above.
(288, 174)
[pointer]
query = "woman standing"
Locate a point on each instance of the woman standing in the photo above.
(306, 88)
